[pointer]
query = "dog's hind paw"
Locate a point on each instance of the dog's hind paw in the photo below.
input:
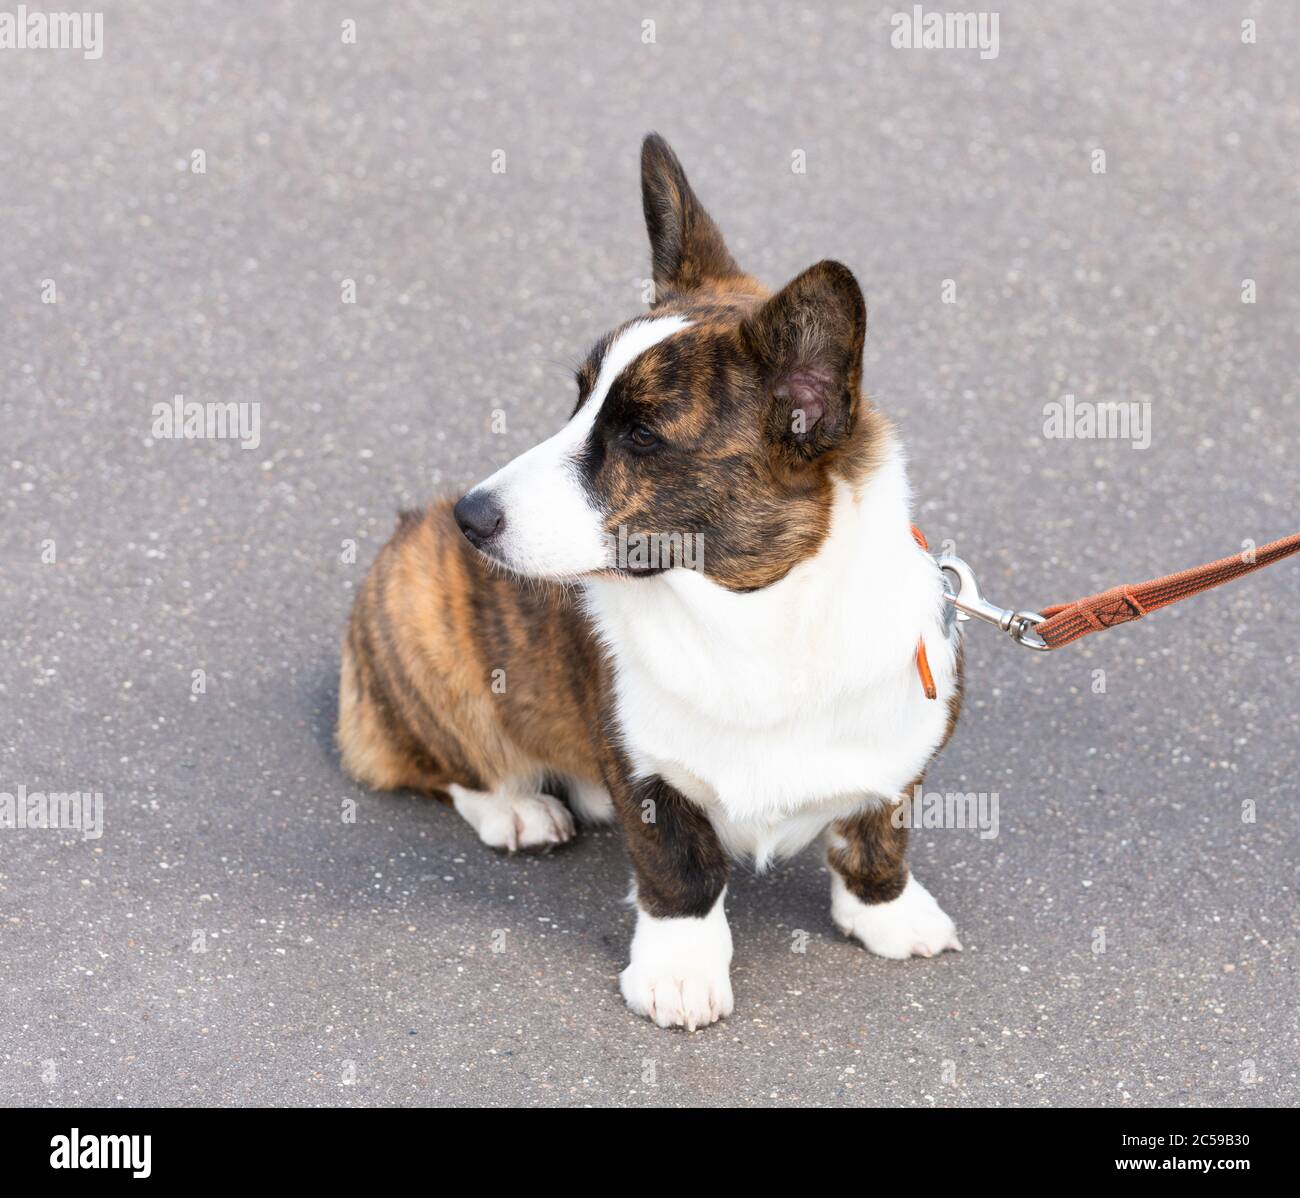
(514, 822)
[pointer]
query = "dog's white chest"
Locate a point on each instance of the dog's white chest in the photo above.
(771, 773)
(781, 710)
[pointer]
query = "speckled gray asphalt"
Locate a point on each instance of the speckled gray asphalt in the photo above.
(1131, 932)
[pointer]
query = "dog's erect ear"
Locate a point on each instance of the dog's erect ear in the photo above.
(807, 341)
(685, 244)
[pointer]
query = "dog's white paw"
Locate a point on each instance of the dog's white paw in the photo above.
(680, 974)
(590, 801)
(513, 822)
(912, 925)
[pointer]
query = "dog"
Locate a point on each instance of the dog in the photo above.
(698, 609)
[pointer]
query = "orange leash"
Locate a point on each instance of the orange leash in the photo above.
(1063, 623)
(1066, 622)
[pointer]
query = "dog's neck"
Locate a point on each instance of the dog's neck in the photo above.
(848, 616)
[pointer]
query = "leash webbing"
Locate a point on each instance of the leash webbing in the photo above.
(1066, 622)
(1063, 623)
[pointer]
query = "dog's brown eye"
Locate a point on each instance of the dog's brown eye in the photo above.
(641, 438)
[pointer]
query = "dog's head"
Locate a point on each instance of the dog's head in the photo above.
(708, 433)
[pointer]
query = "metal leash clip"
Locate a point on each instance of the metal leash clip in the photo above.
(963, 592)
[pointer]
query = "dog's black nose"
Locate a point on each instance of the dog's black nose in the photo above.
(479, 518)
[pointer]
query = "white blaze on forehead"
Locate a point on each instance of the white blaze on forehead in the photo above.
(629, 345)
(551, 528)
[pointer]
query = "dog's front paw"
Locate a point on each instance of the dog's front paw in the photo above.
(912, 925)
(677, 996)
(680, 973)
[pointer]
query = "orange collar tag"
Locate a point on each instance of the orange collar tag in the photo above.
(923, 662)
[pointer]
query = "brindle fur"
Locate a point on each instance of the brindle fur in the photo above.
(455, 672)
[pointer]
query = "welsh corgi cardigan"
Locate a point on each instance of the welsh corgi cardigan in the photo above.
(742, 703)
